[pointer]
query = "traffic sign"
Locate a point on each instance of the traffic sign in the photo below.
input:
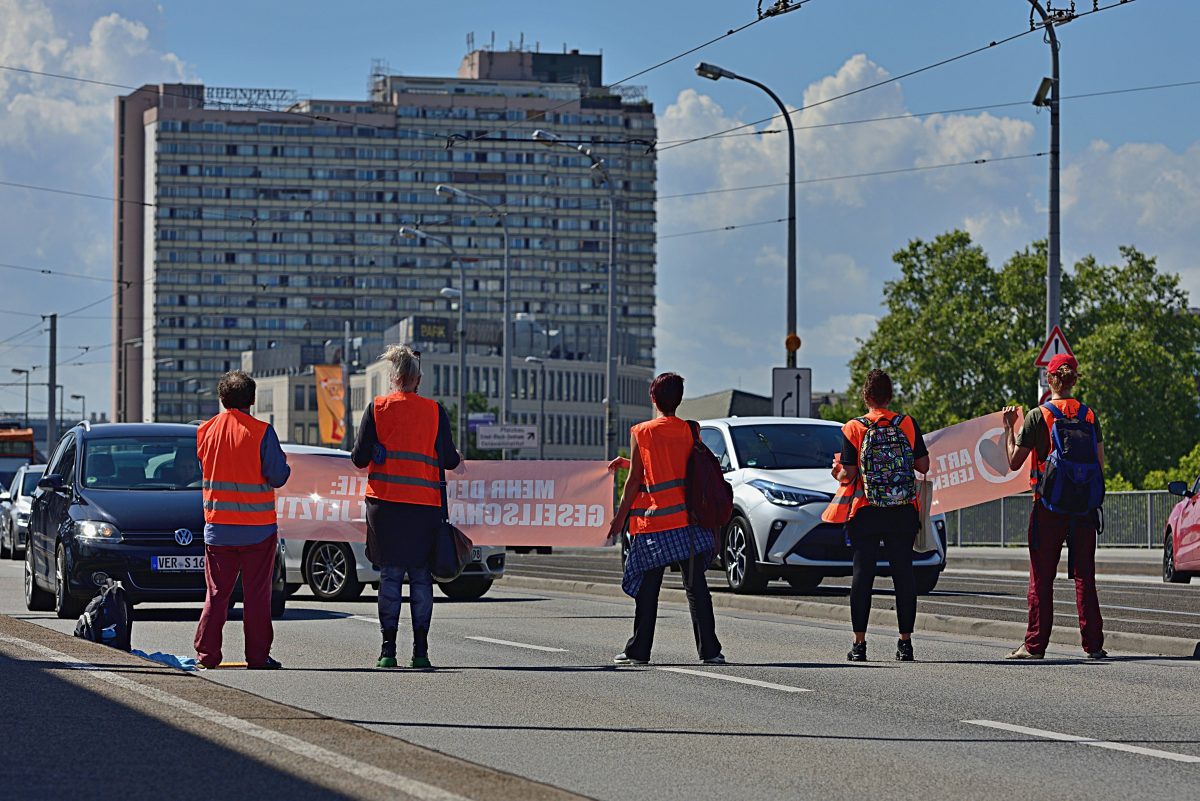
(490, 438)
(477, 419)
(1056, 343)
(791, 392)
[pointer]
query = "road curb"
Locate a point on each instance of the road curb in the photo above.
(1115, 641)
(1110, 568)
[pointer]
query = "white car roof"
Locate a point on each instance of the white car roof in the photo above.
(734, 422)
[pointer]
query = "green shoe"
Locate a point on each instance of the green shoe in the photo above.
(386, 662)
(420, 662)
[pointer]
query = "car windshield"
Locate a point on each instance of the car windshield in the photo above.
(786, 446)
(29, 481)
(149, 463)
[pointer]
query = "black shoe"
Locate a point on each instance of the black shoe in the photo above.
(387, 653)
(858, 652)
(270, 664)
(904, 651)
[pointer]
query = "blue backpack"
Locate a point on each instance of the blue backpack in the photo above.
(1073, 481)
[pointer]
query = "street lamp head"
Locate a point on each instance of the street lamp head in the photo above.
(713, 72)
(445, 190)
(534, 360)
(19, 371)
(450, 292)
(77, 397)
(545, 137)
(409, 233)
(1042, 98)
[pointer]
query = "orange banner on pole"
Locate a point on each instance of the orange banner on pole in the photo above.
(968, 464)
(331, 403)
(525, 503)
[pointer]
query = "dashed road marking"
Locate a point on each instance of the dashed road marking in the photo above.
(295, 745)
(738, 679)
(519, 645)
(1072, 738)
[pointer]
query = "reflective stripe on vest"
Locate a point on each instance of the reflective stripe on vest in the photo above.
(407, 427)
(664, 446)
(230, 450)
(838, 510)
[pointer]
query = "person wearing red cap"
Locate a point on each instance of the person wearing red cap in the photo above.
(1049, 530)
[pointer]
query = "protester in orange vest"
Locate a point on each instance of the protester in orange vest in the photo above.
(654, 504)
(242, 465)
(1048, 530)
(877, 499)
(405, 442)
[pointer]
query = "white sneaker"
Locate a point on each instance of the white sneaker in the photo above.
(622, 659)
(1023, 653)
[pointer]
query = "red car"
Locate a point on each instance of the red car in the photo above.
(1181, 543)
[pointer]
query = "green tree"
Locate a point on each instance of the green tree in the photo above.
(475, 403)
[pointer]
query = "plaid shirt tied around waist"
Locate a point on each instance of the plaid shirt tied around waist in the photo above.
(662, 548)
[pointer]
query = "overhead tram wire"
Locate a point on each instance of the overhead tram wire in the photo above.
(886, 81)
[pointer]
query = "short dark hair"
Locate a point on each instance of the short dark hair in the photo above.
(666, 390)
(236, 390)
(877, 389)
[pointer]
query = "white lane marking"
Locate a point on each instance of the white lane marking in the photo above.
(295, 745)
(519, 645)
(738, 679)
(1072, 738)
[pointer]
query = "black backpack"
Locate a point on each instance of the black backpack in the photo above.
(107, 619)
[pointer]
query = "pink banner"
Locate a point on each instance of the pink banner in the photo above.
(968, 464)
(494, 503)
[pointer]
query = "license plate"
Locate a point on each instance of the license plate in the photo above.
(177, 564)
(476, 554)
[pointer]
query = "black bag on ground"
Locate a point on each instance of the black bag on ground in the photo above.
(107, 619)
(709, 495)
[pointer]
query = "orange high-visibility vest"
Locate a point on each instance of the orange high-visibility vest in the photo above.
(407, 427)
(230, 450)
(664, 446)
(1037, 467)
(851, 496)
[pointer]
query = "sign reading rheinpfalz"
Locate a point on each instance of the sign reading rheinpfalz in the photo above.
(533, 503)
(505, 437)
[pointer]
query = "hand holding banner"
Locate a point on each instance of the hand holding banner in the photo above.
(968, 464)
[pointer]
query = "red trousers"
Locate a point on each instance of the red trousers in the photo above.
(222, 564)
(1051, 532)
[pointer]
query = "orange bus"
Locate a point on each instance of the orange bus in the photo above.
(16, 450)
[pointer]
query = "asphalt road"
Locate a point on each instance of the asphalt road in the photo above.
(524, 685)
(1139, 604)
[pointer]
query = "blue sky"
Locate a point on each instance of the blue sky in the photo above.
(1132, 162)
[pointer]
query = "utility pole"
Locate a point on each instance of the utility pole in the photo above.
(347, 415)
(52, 385)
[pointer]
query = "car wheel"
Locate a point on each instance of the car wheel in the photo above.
(741, 559)
(805, 580)
(36, 599)
(66, 606)
(466, 588)
(5, 551)
(927, 579)
(13, 554)
(1170, 574)
(332, 573)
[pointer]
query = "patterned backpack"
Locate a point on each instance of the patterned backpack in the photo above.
(886, 462)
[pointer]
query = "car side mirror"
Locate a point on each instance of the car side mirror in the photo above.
(51, 483)
(1179, 488)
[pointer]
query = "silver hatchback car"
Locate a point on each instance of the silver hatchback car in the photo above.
(338, 571)
(780, 471)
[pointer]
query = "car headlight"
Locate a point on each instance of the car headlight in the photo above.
(782, 495)
(97, 531)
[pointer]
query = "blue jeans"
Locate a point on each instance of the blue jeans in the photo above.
(420, 591)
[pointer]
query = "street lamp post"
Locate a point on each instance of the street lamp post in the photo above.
(461, 294)
(19, 371)
(541, 363)
(122, 412)
(82, 405)
(611, 400)
(1048, 95)
(445, 190)
(714, 73)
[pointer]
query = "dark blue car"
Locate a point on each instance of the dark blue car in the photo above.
(120, 501)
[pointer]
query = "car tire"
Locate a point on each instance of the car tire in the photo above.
(5, 551)
(13, 554)
(331, 572)
(805, 580)
(466, 588)
(291, 589)
(36, 599)
(1169, 573)
(927, 579)
(741, 558)
(66, 606)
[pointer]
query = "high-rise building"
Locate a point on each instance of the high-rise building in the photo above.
(250, 219)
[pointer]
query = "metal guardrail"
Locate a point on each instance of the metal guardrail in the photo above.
(1131, 520)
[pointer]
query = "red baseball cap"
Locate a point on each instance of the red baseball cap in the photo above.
(1062, 360)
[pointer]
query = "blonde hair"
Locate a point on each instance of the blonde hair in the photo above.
(406, 366)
